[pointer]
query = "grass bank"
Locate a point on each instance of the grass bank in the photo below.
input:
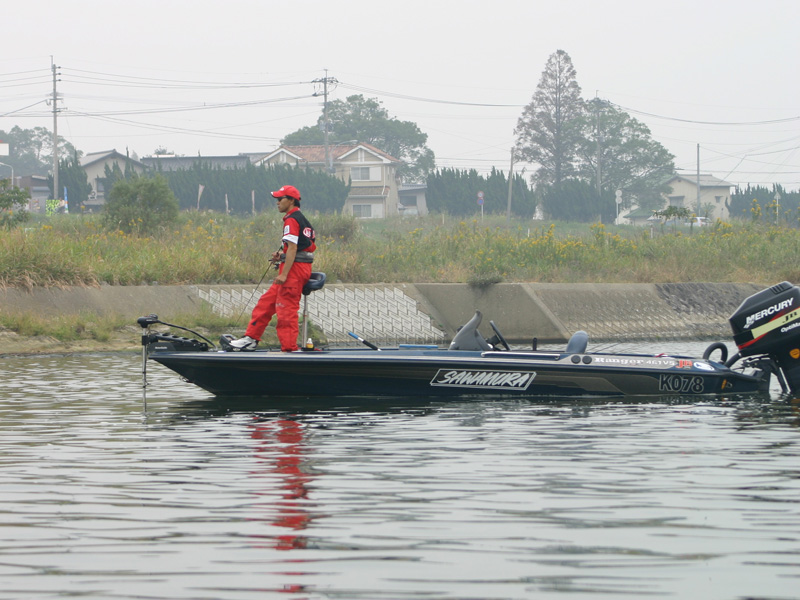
(212, 248)
(208, 248)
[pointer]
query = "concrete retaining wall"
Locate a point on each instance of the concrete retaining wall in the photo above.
(432, 312)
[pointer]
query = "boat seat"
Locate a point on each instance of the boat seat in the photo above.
(315, 283)
(468, 337)
(578, 342)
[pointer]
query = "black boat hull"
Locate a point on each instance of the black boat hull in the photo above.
(447, 373)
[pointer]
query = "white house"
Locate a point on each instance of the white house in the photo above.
(94, 165)
(715, 195)
(372, 173)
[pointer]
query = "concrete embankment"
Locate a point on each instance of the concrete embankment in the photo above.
(432, 312)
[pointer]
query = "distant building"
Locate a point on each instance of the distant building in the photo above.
(413, 200)
(39, 189)
(94, 165)
(371, 172)
(715, 195)
(715, 198)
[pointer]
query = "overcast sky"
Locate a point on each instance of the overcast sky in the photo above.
(216, 77)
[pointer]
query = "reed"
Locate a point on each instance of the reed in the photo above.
(73, 250)
(210, 248)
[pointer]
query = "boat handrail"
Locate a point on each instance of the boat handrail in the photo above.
(528, 354)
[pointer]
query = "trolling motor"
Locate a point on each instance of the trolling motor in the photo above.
(768, 324)
(165, 342)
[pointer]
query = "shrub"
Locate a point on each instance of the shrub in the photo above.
(12, 204)
(141, 205)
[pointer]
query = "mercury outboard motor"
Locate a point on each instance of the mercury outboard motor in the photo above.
(768, 323)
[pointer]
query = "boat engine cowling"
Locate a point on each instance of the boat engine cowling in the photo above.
(768, 322)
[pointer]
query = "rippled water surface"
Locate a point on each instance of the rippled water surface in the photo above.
(205, 499)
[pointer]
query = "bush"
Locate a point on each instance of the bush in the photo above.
(141, 205)
(12, 204)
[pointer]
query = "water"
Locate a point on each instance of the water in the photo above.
(205, 499)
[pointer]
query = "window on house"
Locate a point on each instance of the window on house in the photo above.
(718, 199)
(362, 211)
(676, 200)
(359, 173)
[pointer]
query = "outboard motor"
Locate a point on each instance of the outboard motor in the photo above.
(769, 323)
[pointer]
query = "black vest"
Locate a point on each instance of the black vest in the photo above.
(303, 240)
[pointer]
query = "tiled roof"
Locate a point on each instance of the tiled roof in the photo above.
(373, 191)
(639, 213)
(94, 157)
(706, 180)
(316, 153)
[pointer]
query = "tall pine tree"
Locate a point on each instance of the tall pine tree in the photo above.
(548, 132)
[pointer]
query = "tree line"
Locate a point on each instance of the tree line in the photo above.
(583, 152)
(771, 204)
(455, 192)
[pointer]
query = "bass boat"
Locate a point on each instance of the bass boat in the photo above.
(766, 331)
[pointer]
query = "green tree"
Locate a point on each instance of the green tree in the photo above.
(321, 191)
(548, 132)
(672, 214)
(365, 120)
(72, 177)
(142, 205)
(787, 208)
(112, 174)
(31, 150)
(616, 152)
(576, 200)
(13, 201)
(456, 193)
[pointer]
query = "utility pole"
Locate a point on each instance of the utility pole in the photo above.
(510, 181)
(55, 129)
(698, 180)
(598, 150)
(325, 81)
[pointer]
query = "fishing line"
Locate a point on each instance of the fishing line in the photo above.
(272, 265)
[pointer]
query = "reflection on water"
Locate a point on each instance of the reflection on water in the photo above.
(281, 449)
(207, 498)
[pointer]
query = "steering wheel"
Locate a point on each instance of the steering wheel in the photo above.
(500, 337)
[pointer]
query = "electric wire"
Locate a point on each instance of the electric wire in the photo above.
(106, 79)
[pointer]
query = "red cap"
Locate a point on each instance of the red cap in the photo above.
(287, 190)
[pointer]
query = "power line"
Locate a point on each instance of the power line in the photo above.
(358, 88)
(151, 111)
(169, 128)
(722, 123)
(93, 77)
(23, 108)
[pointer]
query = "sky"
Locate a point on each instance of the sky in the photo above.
(214, 77)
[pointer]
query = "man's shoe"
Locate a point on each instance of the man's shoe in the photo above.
(243, 344)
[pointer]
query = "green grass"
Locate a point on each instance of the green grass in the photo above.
(208, 248)
(211, 248)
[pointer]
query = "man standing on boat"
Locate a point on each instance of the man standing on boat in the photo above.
(283, 296)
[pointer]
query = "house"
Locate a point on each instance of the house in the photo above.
(94, 165)
(413, 201)
(637, 216)
(715, 195)
(39, 188)
(372, 174)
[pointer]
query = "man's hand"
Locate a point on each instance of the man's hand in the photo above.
(291, 252)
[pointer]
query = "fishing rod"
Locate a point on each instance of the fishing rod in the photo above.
(274, 263)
